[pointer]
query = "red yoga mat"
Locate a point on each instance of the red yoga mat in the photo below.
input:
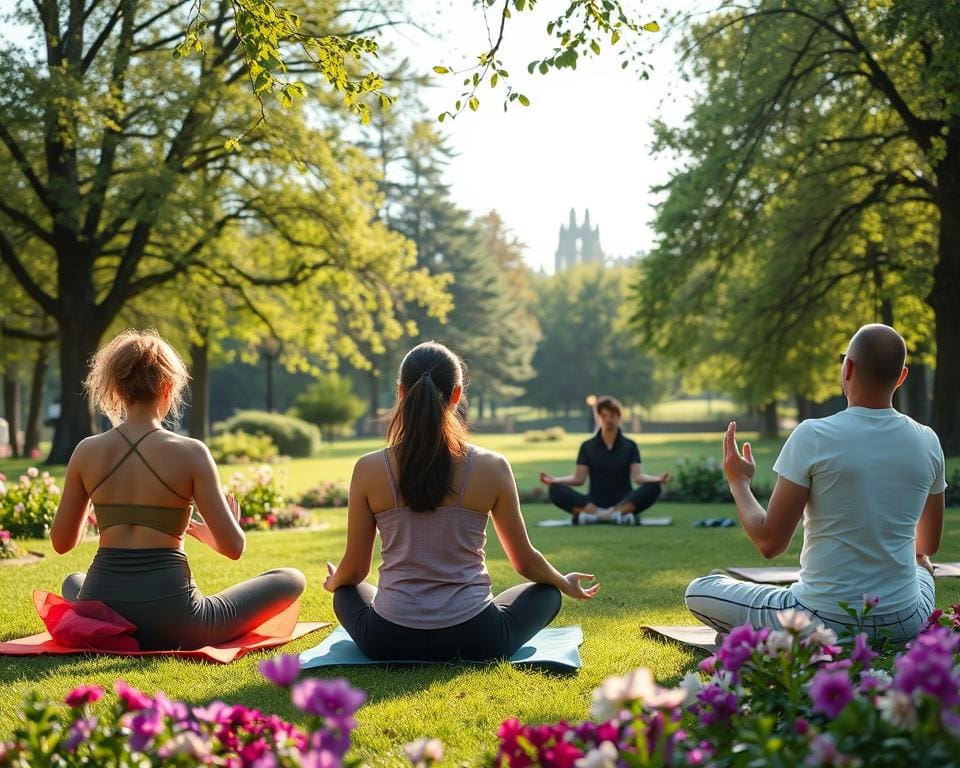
(89, 626)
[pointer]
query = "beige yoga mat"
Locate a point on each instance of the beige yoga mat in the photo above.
(694, 636)
(790, 575)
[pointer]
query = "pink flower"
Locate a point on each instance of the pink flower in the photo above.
(830, 692)
(35, 453)
(84, 694)
(870, 601)
(4, 536)
(281, 670)
(861, 652)
(132, 699)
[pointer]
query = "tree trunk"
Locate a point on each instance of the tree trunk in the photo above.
(771, 428)
(199, 425)
(480, 408)
(78, 342)
(916, 393)
(372, 428)
(945, 299)
(11, 409)
(803, 408)
(31, 440)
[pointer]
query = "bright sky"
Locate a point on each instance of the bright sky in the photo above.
(584, 142)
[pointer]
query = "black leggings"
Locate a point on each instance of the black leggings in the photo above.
(497, 632)
(642, 497)
(153, 589)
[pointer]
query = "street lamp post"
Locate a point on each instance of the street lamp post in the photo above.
(270, 348)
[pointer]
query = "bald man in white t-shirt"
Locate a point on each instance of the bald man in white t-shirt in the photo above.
(868, 483)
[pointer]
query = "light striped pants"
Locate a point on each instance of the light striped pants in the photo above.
(722, 602)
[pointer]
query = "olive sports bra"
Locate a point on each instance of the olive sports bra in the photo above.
(169, 520)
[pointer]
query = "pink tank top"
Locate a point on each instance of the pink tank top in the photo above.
(434, 573)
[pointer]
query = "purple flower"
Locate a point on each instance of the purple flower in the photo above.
(861, 652)
(132, 698)
(144, 728)
(738, 646)
(716, 705)
(84, 694)
(333, 740)
(281, 670)
(80, 731)
(830, 692)
(321, 759)
(928, 667)
(327, 698)
(870, 601)
(801, 727)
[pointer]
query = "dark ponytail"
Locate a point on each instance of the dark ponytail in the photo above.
(426, 432)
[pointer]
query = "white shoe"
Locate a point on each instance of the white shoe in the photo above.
(627, 518)
(587, 518)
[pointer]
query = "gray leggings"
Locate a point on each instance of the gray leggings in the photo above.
(497, 632)
(153, 589)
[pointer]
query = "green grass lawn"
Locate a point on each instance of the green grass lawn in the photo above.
(642, 571)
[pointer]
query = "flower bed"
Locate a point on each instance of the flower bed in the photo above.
(263, 505)
(790, 697)
(27, 507)
(328, 495)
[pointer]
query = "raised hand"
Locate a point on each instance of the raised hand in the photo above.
(575, 590)
(739, 468)
(331, 572)
(546, 479)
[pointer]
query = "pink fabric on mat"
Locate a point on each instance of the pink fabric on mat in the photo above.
(89, 626)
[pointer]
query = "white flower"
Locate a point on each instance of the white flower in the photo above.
(424, 751)
(18, 509)
(692, 684)
(821, 635)
(896, 707)
(604, 756)
(638, 685)
(778, 643)
(54, 489)
(882, 675)
(33, 472)
(188, 743)
(793, 620)
(3, 488)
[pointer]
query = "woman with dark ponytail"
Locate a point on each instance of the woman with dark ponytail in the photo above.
(429, 493)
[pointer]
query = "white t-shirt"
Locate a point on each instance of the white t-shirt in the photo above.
(869, 471)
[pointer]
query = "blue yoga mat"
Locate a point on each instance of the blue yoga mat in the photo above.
(553, 648)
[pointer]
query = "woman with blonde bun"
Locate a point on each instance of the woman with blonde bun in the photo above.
(143, 483)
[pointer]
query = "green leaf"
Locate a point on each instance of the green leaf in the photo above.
(595, 47)
(474, 103)
(441, 70)
(441, 117)
(493, 80)
(523, 100)
(651, 26)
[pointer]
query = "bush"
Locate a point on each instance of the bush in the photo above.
(292, 436)
(139, 730)
(262, 503)
(329, 403)
(325, 495)
(791, 697)
(953, 489)
(548, 435)
(242, 448)
(28, 506)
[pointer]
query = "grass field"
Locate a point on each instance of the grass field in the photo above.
(642, 571)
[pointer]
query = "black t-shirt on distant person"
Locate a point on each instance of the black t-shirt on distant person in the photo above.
(609, 468)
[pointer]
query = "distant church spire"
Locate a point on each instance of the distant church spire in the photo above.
(578, 244)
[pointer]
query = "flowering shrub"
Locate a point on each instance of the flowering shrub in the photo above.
(789, 697)
(27, 507)
(8, 547)
(141, 730)
(262, 503)
(328, 494)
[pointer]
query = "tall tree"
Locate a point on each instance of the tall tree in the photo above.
(114, 145)
(824, 145)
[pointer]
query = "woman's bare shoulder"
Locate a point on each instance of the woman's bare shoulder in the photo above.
(490, 461)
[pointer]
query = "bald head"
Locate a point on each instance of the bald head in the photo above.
(878, 352)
